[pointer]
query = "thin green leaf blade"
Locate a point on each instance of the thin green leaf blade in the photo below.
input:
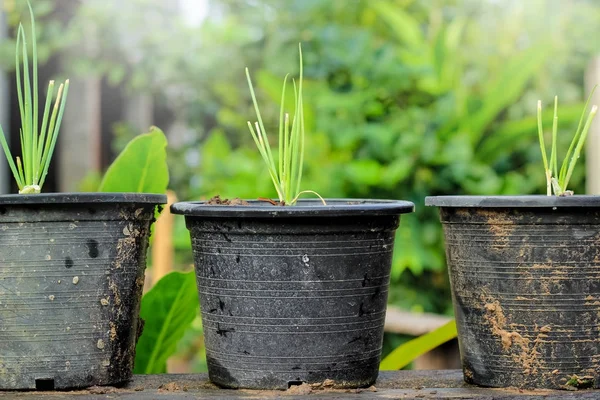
(553, 154)
(407, 352)
(300, 159)
(261, 139)
(543, 148)
(168, 309)
(18, 78)
(265, 157)
(567, 159)
(21, 173)
(141, 167)
(28, 124)
(54, 128)
(579, 147)
(9, 158)
(34, 127)
(294, 149)
(281, 124)
(43, 131)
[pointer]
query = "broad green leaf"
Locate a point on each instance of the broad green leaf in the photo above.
(405, 26)
(409, 351)
(216, 148)
(451, 71)
(397, 171)
(141, 167)
(168, 309)
(505, 90)
(439, 55)
(90, 182)
(406, 251)
(364, 172)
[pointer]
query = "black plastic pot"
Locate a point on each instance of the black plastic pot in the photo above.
(71, 277)
(293, 294)
(525, 276)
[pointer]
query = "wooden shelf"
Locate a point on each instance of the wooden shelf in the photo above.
(442, 384)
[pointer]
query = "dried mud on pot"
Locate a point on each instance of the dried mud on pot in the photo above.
(71, 278)
(293, 294)
(525, 277)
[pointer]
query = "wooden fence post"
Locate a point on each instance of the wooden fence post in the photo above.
(80, 134)
(162, 246)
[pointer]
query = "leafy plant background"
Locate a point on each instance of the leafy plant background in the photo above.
(403, 99)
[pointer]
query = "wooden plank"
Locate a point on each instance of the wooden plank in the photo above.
(139, 111)
(444, 384)
(80, 133)
(162, 246)
(413, 324)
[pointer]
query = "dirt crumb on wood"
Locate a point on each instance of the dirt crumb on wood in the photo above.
(328, 383)
(102, 390)
(302, 389)
(468, 373)
(172, 387)
(218, 201)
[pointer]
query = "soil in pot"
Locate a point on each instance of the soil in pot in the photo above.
(525, 276)
(293, 295)
(71, 278)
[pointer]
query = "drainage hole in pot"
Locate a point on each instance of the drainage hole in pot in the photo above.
(44, 384)
(295, 383)
(92, 246)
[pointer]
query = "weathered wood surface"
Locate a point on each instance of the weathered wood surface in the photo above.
(444, 384)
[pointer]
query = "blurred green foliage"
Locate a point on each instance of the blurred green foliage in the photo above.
(406, 353)
(168, 310)
(403, 98)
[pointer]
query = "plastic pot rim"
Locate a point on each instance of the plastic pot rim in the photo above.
(304, 208)
(81, 198)
(522, 201)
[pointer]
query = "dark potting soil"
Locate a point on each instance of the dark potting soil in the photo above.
(218, 201)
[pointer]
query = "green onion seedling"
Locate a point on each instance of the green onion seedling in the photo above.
(286, 173)
(557, 180)
(37, 144)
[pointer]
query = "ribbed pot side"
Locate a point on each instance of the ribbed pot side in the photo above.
(71, 278)
(287, 300)
(526, 292)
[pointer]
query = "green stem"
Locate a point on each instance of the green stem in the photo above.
(34, 133)
(553, 155)
(566, 161)
(580, 143)
(543, 148)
